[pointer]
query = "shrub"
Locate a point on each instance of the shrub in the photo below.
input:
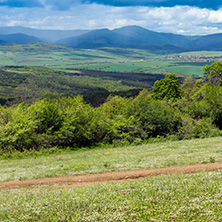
(192, 128)
(17, 129)
(154, 117)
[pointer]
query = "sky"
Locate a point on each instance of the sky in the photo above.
(188, 17)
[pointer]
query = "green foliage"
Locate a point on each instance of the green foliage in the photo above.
(16, 129)
(71, 122)
(83, 125)
(190, 86)
(167, 88)
(214, 72)
(192, 128)
(213, 98)
(154, 117)
(47, 115)
(208, 103)
(114, 105)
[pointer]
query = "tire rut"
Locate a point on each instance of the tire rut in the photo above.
(89, 179)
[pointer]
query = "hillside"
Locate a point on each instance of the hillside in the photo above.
(43, 34)
(18, 38)
(209, 42)
(138, 37)
(130, 36)
(147, 37)
(26, 84)
(99, 38)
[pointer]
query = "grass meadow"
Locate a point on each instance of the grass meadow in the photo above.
(193, 197)
(101, 160)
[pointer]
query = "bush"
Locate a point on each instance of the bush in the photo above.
(17, 129)
(155, 118)
(201, 128)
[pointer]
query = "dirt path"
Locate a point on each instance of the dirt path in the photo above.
(88, 179)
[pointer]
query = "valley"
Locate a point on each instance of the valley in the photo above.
(110, 111)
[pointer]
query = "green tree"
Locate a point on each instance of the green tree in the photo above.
(213, 73)
(153, 117)
(114, 105)
(190, 86)
(168, 88)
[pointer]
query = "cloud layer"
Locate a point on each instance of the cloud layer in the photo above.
(94, 14)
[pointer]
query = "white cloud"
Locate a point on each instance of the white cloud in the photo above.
(179, 19)
(215, 16)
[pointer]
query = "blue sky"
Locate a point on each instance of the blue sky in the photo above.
(176, 16)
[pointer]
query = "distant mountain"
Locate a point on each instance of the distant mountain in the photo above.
(208, 42)
(147, 37)
(18, 38)
(99, 38)
(128, 36)
(2, 42)
(45, 35)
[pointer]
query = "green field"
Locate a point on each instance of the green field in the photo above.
(105, 59)
(194, 197)
(195, 70)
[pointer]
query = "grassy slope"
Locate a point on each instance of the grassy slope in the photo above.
(113, 159)
(195, 197)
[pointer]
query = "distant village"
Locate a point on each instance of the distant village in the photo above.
(194, 58)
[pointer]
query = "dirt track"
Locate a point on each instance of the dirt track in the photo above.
(88, 179)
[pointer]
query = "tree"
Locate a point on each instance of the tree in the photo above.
(167, 88)
(190, 86)
(153, 117)
(213, 73)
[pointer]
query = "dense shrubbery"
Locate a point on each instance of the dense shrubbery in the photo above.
(71, 122)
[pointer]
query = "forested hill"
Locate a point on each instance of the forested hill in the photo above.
(128, 36)
(28, 83)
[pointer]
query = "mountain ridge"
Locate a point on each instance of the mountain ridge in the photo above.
(124, 37)
(18, 38)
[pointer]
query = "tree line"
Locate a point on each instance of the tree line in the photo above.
(170, 110)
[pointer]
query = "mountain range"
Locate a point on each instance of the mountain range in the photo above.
(125, 37)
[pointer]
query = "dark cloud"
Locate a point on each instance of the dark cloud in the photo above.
(213, 4)
(21, 3)
(67, 4)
